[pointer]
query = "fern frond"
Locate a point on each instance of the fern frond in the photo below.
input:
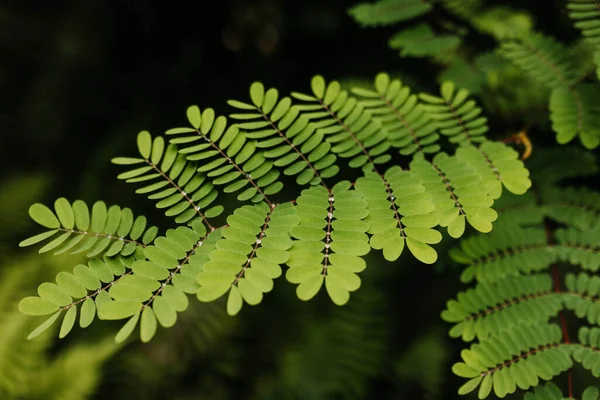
(517, 357)
(229, 158)
(577, 207)
(248, 258)
(490, 308)
(520, 210)
(109, 231)
(331, 238)
(456, 191)
(562, 166)
(422, 41)
(543, 59)
(388, 12)
(457, 117)
(346, 124)
(285, 136)
(399, 212)
(575, 111)
(586, 14)
(175, 183)
(84, 289)
(587, 352)
(507, 251)
(400, 115)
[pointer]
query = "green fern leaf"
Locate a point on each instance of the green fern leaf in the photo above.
(84, 285)
(586, 15)
(543, 59)
(286, 137)
(330, 241)
(578, 208)
(175, 184)
(388, 12)
(507, 251)
(574, 111)
(229, 158)
(456, 116)
(347, 126)
(113, 231)
(516, 357)
(399, 113)
(490, 308)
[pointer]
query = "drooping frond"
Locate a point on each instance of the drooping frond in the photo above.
(392, 104)
(543, 59)
(175, 184)
(580, 247)
(84, 289)
(517, 357)
(388, 12)
(400, 212)
(249, 256)
(422, 41)
(575, 111)
(507, 251)
(228, 157)
(490, 308)
(587, 353)
(330, 240)
(345, 123)
(458, 193)
(285, 136)
(109, 231)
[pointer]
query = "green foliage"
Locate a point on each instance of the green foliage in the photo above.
(519, 290)
(322, 236)
(108, 231)
(551, 66)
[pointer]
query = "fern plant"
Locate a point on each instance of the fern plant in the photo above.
(321, 235)
(527, 275)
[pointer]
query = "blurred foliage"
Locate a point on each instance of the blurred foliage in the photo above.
(79, 78)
